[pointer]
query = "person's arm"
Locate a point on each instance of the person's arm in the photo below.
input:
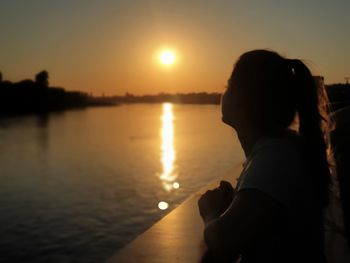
(251, 217)
(215, 202)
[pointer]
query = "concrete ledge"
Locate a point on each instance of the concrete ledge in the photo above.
(178, 237)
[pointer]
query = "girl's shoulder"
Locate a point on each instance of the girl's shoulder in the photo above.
(277, 152)
(275, 167)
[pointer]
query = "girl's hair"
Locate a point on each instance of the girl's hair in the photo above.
(276, 91)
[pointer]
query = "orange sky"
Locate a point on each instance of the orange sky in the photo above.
(108, 46)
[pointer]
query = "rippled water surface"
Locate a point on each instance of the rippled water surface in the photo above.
(76, 186)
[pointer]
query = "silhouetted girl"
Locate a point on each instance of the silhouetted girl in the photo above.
(276, 212)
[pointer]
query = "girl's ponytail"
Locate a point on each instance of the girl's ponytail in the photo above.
(310, 100)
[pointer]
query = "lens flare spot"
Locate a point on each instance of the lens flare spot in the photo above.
(163, 205)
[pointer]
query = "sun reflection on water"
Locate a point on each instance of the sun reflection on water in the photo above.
(168, 154)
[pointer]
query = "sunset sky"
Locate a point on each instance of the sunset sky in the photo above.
(112, 46)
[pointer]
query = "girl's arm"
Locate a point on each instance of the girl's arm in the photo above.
(251, 218)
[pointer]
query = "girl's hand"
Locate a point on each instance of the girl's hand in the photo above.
(215, 202)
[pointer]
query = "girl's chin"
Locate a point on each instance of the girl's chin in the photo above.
(226, 121)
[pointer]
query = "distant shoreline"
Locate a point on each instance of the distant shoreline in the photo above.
(36, 97)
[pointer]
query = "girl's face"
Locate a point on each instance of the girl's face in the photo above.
(230, 109)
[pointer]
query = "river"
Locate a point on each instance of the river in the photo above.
(77, 186)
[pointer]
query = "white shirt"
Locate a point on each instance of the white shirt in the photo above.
(278, 168)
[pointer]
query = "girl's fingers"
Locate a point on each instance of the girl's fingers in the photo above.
(226, 187)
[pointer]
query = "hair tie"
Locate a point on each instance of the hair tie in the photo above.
(293, 64)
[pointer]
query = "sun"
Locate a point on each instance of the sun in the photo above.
(167, 57)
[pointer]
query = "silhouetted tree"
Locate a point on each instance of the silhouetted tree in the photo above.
(0, 77)
(42, 79)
